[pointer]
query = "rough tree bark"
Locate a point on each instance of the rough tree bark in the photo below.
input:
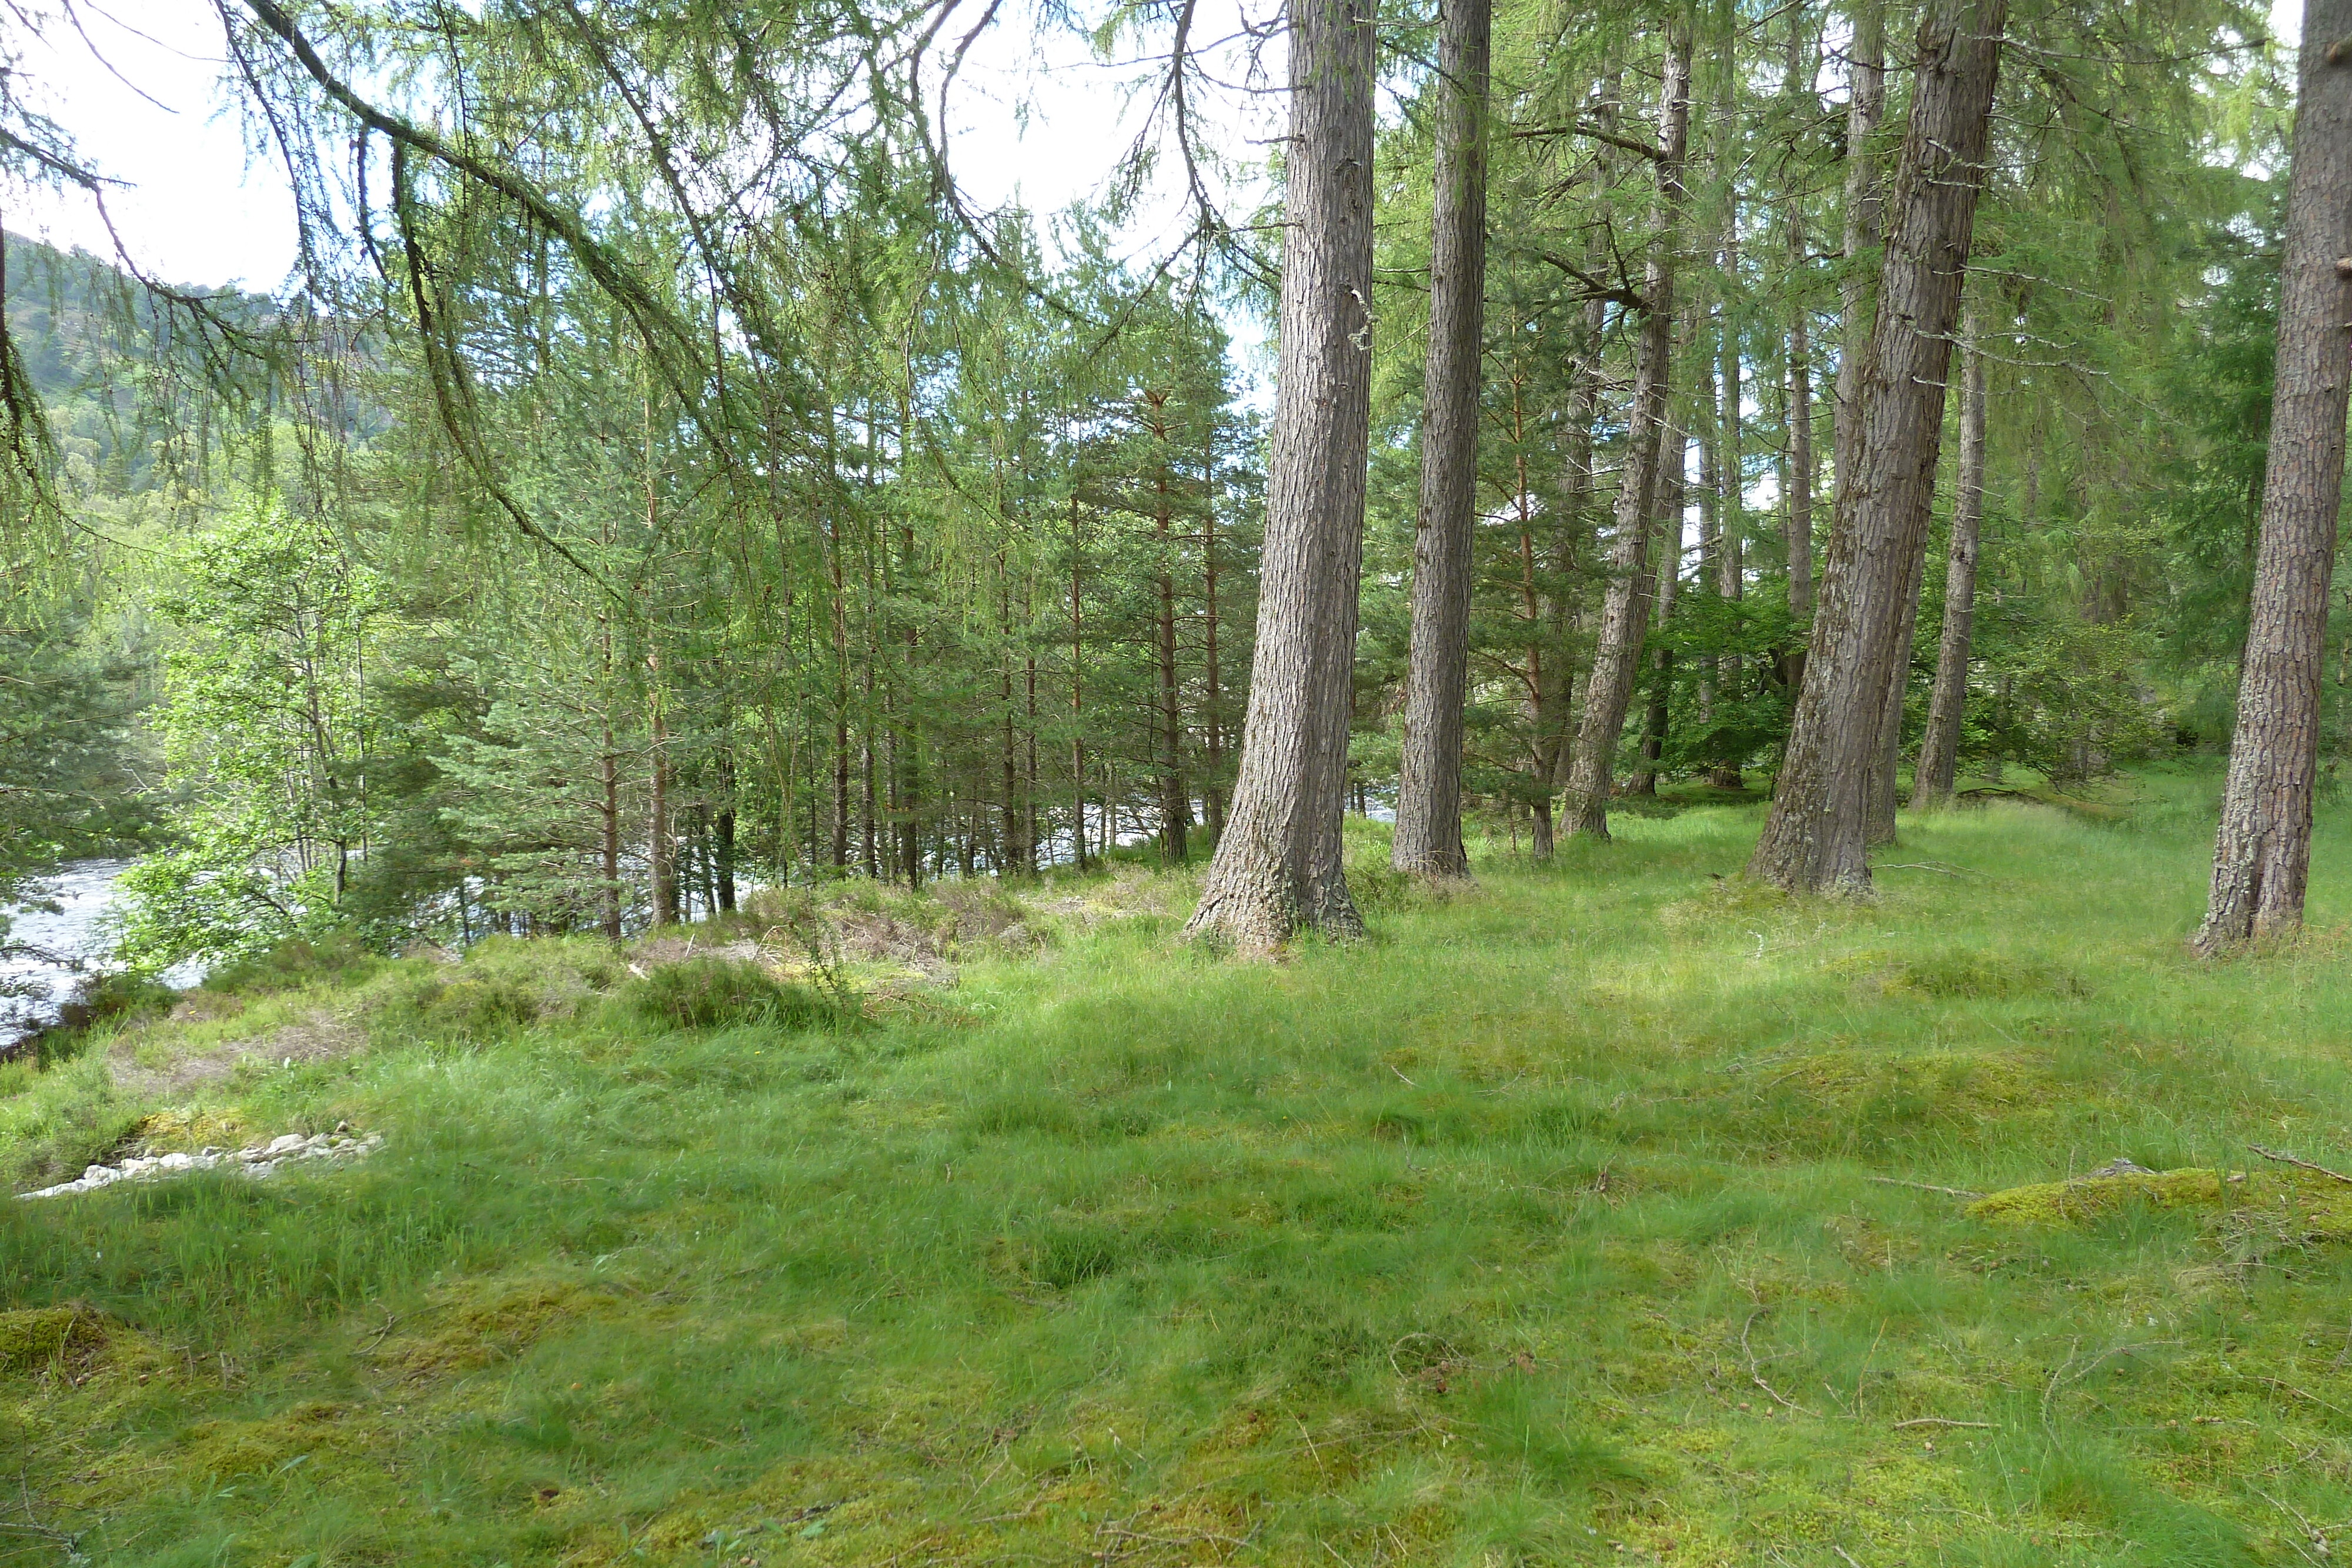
(1865, 106)
(2261, 856)
(1813, 839)
(1625, 606)
(1175, 796)
(1278, 868)
(1730, 477)
(1555, 692)
(1656, 721)
(1799, 85)
(1939, 749)
(661, 852)
(1731, 506)
(1879, 778)
(1428, 841)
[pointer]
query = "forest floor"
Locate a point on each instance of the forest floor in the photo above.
(1615, 1211)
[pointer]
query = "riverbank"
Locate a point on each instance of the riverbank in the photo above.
(1608, 1212)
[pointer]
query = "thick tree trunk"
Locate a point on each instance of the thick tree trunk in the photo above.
(1865, 106)
(1939, 749)
(1814, 836)
(1278, 867)
(1428, 841)
(2261, 855)
(1879, 781)
(1625, 605)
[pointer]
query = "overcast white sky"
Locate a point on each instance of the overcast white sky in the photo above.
(200, 210)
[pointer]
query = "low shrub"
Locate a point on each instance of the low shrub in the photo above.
(294, 964)
(719, 993)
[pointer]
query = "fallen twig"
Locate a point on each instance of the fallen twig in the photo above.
(1941, 1421)
(377, 1338)
(2300, 1393)
(2303, 1165)
(1756, 1372)
(1924, 1186)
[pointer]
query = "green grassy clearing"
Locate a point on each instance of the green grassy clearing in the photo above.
(1540, 1228)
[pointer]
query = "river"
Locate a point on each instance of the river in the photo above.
(66, 927)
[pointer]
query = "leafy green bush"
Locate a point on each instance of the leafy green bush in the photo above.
(715, 993)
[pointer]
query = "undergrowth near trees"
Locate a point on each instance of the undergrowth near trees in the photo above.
(1615, 1211)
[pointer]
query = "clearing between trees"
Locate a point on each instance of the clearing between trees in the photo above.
(1619, 1210)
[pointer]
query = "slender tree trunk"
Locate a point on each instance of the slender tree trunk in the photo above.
(1556, 691)
(1662, 662)
(609, 833)
(1212, 789)
(1625, 605)
(1029, 780)
(1278, 867)
(1175, 799)
(662, 851)
(608, 767)
(1428, 841)
(1939, 749)
(1814, 836)
(840, 823)
(1801, 63)
(2261, 855)
(1730, 563)
(1077, 694)
(1707, 412)
(1865, 106)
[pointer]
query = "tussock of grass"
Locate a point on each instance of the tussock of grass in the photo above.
(1540, 1227)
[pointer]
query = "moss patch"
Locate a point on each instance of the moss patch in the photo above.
(2321, 1207)
(42, 1337)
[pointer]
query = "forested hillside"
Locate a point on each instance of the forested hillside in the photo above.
(1464, 826)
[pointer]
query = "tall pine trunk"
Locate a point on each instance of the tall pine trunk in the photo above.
(2261, 855)
(1939, 749)
(1077, 695)
(1865, 106)
(662, 845)
(1730, 566)
(1879, 779)
(1175, 799)
(1798, 86)
(1655, 723)
(1625, 605)
(1278, 868)
(1555, 694)
(1428, 838)
(1814, 836)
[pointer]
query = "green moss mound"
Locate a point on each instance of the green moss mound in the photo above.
(42, 1337)
(2320, 1207)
